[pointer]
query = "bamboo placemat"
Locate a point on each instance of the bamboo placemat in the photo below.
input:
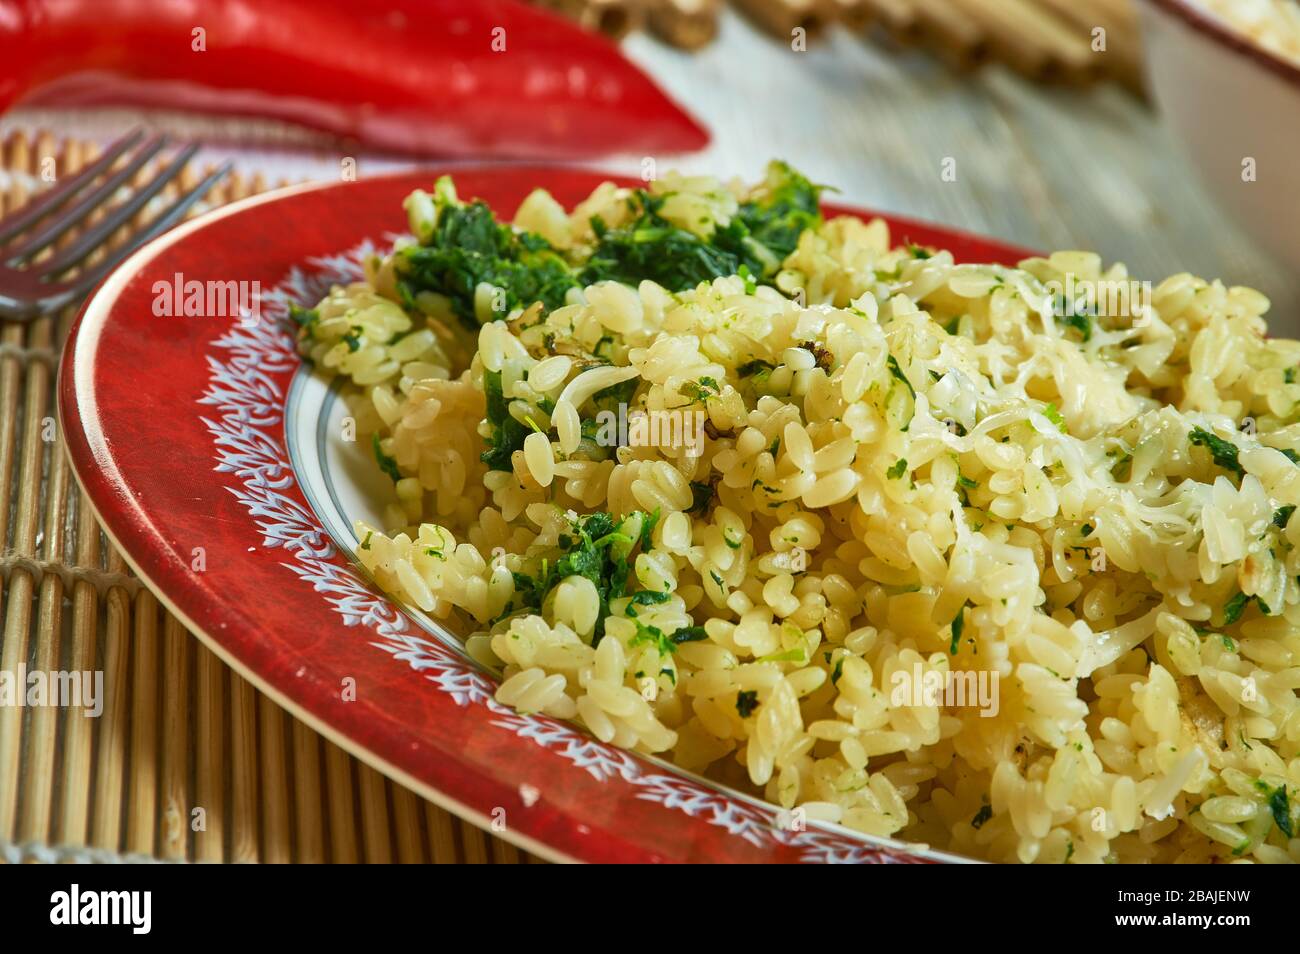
(1046, 40)
(180, 731)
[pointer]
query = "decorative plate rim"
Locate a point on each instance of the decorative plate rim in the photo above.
(1208, 24)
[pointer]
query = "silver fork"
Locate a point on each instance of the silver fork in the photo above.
(31, 287)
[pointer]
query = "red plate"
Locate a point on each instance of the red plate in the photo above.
(176, 428)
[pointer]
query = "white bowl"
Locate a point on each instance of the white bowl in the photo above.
(1230, 101)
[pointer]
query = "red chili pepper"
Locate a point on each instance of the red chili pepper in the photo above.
(432, 77)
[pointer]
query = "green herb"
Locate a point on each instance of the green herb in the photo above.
(655, 637)
(981, 816)
(1282, 515)
(758, 238)
(958, 624)
(645, 598)
(353, 339)
(754, 367)
(751, 286)
(1082, 323)
(1289, 376)
(1280, 805)
(648, 523)
(689, 634)
(599, 548)
(746, 702)
(838, 672)
(1290, 455)
(898, 469)
(1052, 414)
(507, 434)
(468, 248)
(387, 464)
(1233, 609)
(966, 482)
(1223, 452)
(304, 318)
(1086, 530)
(699, 392)
(365, 544)
(897, 372)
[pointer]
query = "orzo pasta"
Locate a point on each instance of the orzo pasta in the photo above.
(725, 482)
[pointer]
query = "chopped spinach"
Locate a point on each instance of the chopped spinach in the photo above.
(507, 434)
(469, 247)
(386, 463)
(957, 626)
(1223, 452)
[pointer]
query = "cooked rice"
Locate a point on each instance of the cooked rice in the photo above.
(909, 466)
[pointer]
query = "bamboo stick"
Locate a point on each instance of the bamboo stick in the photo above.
(43, 726)
(374, 816)
(13, 652)
(854, 15)
(686, 24)
(77, 734)
(1122, 57)
(615, 18)
(442, 835)
(342, 811)
(897, 17)
(209, 768)
(174, 819)
(406, 825)
(781, 18)
(277, 844)
(474, 846)
(243, 771)
(1031, 40)
(110, 767)
(142, 810)
(309, 821)
(956, 36)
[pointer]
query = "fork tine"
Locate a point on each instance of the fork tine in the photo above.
(86, 205)
(99, 233)
(90, 278)
(55, 197)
